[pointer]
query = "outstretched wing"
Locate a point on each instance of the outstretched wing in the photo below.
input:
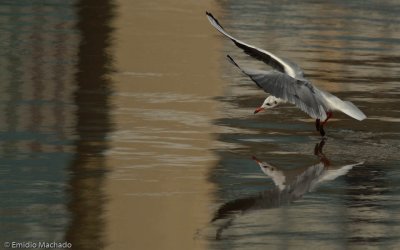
(298, 92)
(331, 174)
(277, 63)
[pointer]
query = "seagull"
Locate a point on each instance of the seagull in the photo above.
(290, 185)
(286, 84)
(322, 171)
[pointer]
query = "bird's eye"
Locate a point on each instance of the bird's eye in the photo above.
(268, 104)
(276, 102)
(264, 166)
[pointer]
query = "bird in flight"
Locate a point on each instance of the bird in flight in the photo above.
(286, 84)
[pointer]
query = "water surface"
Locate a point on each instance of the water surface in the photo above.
(349, 49)
(124, 126)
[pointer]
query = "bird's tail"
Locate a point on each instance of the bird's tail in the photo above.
(345, 106)
(353, 111)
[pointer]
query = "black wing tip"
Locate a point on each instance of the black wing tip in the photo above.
(232, 61)
(244, 71)
(213, 18)
(209, 14)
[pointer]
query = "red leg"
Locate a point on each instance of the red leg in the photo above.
(328, 116)
(318, 152)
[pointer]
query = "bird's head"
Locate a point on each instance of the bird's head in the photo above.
(268, 169)
(269, 103)
(273, 172)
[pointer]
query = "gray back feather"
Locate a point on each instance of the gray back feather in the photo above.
(298, 92)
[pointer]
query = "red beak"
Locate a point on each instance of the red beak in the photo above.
(258, 110)
(255, 158)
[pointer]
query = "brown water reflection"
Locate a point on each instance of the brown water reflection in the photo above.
(107, 123)
(160, 153)
(88, 168)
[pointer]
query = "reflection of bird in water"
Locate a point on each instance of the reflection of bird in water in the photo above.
(286, 83)
(291, 185)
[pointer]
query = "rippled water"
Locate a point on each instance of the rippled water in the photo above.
(123, 126)
(351, 50)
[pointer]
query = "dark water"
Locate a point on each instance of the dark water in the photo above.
(352, 50)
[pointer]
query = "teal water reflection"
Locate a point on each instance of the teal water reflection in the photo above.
(55, 120)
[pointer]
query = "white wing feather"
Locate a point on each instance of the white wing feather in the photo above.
(277, 63)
